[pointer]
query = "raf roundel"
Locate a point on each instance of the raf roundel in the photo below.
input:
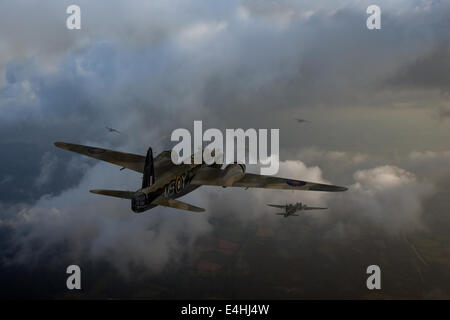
(295, 183)
(95, 150)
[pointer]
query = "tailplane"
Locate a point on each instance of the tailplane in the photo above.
(172, 203)
(115, 193)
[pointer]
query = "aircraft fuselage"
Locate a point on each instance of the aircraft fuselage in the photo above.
(177, 185)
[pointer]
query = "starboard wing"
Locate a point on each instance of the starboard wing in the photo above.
(214, 177)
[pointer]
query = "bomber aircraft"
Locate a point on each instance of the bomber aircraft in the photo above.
(291, 209)
(163, 181)
(112, 130)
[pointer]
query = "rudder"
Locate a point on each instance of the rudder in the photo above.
(149, 171)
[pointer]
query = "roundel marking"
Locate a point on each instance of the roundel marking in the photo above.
(295, 183)
(96, 150)
(178, 184)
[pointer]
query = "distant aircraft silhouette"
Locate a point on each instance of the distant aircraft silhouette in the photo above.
(302, 121)
(291, 209)
(112, 130)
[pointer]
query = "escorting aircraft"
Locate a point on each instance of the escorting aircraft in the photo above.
(112, 130)
(164, 181)
(291, 209)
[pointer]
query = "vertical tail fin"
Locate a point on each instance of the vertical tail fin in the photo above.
(149, 171)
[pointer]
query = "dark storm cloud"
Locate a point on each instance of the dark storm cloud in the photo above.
(72, 225)
(281, 57)
(146, 69)
(388, 198)
(444, 113)
(428, 72)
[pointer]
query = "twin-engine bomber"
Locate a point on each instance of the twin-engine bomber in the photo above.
(163, 181)
(291, 209)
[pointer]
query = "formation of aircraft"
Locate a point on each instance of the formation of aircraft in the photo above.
(291, 209)
(163, 181)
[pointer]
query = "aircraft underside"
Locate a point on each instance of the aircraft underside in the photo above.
(142, 202)
(163, 181)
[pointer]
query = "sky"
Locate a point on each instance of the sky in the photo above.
(377, 102)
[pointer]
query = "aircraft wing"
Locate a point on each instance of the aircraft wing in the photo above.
(214, 177)
(314, 208)
(276, 206)
(167, 202)
(128, 160)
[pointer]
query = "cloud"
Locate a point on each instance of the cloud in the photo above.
(191, 35)
(83, 227)
(147, 68)
(334, 158)
(428, 71)
(388, 196)
(48, 164)
(78, 227)
(444, 113)
(73, 225)
(428, 164)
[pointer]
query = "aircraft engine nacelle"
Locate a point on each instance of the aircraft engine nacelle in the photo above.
(232, 173)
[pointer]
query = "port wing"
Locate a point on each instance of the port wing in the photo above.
(276, 206)
(127, 160)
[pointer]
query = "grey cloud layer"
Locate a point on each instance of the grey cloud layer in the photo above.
(85, 228)
(146, 68)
